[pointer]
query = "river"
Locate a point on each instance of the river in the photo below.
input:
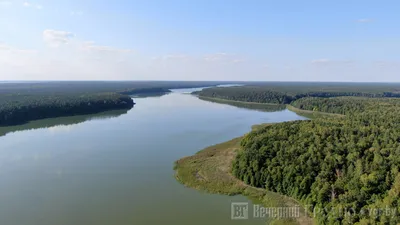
(116, 168)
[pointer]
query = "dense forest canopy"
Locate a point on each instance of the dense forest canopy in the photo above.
(52, 99)
(344, 105)
(76, 87)
(21, 102)
(345, 168)
(17, 109)
(285, 93)
(332, 164)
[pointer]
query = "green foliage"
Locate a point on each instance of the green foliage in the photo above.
(18, 109)
(331, 163)
(26, 101)
(344, 105)
(246, 94)
(285, 93)
(86, 87)
(247, 105)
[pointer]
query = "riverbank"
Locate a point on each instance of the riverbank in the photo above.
(209, 170)
(18, 110)
(312, 114)
(248, 105)
(270, 107)
(22, 102)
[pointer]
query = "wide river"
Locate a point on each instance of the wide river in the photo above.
(116, 168)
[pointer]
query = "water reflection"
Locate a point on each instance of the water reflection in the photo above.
(61, 123)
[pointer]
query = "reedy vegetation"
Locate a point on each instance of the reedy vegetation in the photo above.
(331, 164)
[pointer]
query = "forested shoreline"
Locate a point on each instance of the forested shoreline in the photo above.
(281, 94)
(19, 109)
(27, 101)
(334, 163)
(345, 167)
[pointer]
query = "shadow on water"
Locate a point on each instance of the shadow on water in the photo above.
(244, 105)
(70, 120)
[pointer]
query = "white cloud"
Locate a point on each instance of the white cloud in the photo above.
(11, 49)
(388, 64)
(170, 57)
(76, 13)
(365, 20)
(216, 57)
(12, 57)
(331, 62)
(4, 47)
(55, 38)
(320, 61)
(235, 61)
(92, 47)
(77, 59)
(32, 5)
(5, 3)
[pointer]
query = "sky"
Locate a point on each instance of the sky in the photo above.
(235, 40)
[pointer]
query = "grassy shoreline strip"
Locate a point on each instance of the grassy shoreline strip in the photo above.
(221, 100)
(209, 170)
(312, 114)
(265, 107)
(306, 113)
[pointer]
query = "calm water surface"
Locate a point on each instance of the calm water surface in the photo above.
(117, 168)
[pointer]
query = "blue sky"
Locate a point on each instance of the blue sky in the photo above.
(200, 40)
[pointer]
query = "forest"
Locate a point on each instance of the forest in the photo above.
(345, 167)
(19, 109)
(344, 105)
(81, 87)
(285, 93)
(26, 101)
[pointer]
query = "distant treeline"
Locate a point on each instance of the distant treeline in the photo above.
(141, 91)
(86, 87)
(281, 94)
(18, 109)
(332, 164)
(26, 101)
